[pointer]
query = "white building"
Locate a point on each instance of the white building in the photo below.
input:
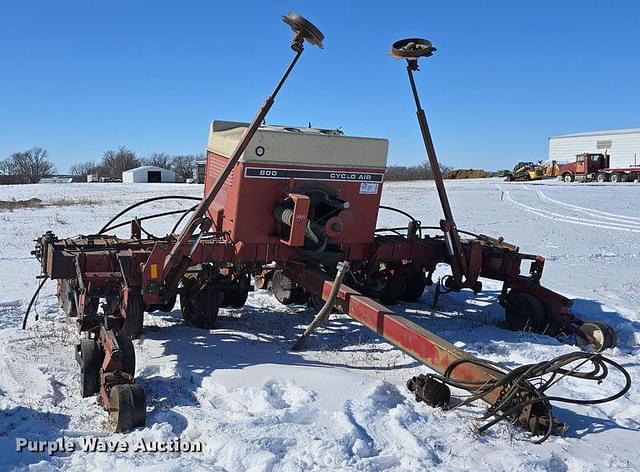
(199, 171)
(57, 179)
(151, 174)
(623, 145)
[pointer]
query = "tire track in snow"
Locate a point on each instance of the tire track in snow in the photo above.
(570, 219)
(632, 228)
(590, 211)
(591, 214)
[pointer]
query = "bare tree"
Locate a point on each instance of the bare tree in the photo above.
(29, 166)
(114, 163)
(85, 168)
(8, 173)
(183, 165)
(7, 167)
(158, 159)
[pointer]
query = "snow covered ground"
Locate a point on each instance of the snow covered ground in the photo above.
(342, 403)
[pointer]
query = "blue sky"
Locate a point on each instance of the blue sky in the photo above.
(81, 77)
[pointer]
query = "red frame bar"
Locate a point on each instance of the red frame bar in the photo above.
(107, 340)
(424, 346)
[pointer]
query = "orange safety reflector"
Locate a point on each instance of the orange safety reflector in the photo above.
(154, 271)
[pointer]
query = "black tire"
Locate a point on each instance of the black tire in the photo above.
(91, 357)
(128, 354)
(602, 177)
(236, 297)
(132, 325)
(615, 178)
(414, 287)
(567, 178)
(166, 307)
(392, 291)
(524, 312)
(235, 292)
(200, 303)
(127, 408)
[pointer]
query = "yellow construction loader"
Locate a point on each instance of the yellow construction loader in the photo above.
(525, 171)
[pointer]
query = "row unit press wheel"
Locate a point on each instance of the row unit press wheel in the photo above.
(128, 354)
(414, 286)
(132, 325)
(525, 312)
(200, 303)
(601, 336)
(392, 291)
(235, 294)
(127, 409)
(91, 357)
(166, 307)
(408, 287)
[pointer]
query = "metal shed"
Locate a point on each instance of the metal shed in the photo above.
(623, 145)
(148, 174)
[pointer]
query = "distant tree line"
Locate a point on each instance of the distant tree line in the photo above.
(113, 163)
(32, 165)
(415, 172)
(26, 167)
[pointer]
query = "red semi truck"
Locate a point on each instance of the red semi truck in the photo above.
(593, 167)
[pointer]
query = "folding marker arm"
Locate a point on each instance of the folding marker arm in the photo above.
(178, 260)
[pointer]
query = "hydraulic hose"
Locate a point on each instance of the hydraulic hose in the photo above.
(421, 227)
(397, 210)
(149, 217)
(33, 300)
(518, 390)
(142, 202)
(181, 219)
